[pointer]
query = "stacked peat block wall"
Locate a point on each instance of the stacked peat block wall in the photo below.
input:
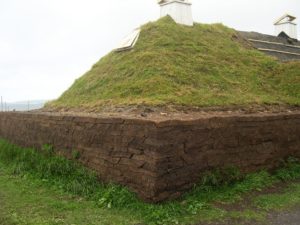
(114, 148)
(160, 160)
(253, 142)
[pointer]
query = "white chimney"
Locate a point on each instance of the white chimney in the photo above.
(287, 25)
(179, 10)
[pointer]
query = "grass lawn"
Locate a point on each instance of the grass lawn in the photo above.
(41, 188)
(278, 201)
(30, 202)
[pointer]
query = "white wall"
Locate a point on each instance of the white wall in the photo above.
(181, 12)
(289, 28)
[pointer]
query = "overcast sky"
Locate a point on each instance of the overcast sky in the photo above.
(46, 44)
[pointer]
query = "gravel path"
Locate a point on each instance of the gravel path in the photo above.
(286, 218)
(291, 217)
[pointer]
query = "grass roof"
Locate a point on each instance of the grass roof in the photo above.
(171, 64)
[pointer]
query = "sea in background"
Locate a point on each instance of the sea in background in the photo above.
(23, 105)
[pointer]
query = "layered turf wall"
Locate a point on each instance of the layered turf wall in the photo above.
(160, 160)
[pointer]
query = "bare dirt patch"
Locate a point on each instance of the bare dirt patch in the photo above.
(172, 112)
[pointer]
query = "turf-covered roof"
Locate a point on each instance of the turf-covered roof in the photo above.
(171, 64)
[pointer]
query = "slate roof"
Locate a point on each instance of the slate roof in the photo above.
(281, 47)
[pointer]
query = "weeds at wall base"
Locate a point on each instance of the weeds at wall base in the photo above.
(227, 185)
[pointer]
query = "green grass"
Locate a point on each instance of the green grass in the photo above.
(203, 65)
(279, 201)
(41, 188)
(31, 202)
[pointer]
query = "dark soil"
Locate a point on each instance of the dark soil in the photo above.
(173, 112)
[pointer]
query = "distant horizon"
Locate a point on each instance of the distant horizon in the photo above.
(30, 100)
(25, 101)
(22, 105)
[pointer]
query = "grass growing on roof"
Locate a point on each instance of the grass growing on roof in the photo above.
(70, 177)
(203, 65)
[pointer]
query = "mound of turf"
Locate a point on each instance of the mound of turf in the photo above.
(171, 64)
